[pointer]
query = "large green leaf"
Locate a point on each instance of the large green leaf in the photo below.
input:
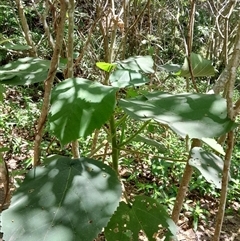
(68, 200)
(124, 77)
(138, 63)
(80, 106)
(195, 115)
(144, 214)
(201, 67)
(208, 164)
(24, 71)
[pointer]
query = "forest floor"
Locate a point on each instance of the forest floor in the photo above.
(205, 228)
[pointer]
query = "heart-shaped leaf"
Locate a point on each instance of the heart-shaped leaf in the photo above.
(68, 200)
(208, 164)
(195, 115)
(201, 67)
(144, 214)
(80, 106)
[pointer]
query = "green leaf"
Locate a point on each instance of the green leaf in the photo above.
(209, 165)
(105, 66)
(214, 145)
(145, 214)
(138, 63)
(68, 200)
(17, 47)
(3, 149)
(2, 90)
(24, 71)
(5, 40)
(122, 78)
(201, 67)
(80, 106)
(150, 142)
(170, 67)
(195, 115)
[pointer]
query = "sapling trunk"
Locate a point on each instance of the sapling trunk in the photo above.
(49, 82)
(230, 73)
(75, 144)
(25, 28)
(183, 186)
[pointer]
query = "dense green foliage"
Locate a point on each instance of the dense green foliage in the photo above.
(123, 100)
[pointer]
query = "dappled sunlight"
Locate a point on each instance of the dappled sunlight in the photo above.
(80, 106)
(195, 115)
(208, 164)
(77, 195)
(24, 71)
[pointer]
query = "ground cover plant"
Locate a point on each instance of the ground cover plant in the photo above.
(111, 131)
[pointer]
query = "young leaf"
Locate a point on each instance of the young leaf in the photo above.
(105, 66)
(80, 106)
(66, 200)
(145, 214)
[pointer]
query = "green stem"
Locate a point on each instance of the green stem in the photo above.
(134, 135)
(115, 151)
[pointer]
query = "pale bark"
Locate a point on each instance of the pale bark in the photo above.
(184, 185)
(230, 74)
(26, 31)
(49, 81)
(75, 144)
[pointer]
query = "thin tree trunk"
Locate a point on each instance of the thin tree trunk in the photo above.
(26, 31)
(75, 144)
(49, 81)
(184, 185)
(230, 72)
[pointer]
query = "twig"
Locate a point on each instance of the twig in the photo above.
(44, 22)
(79, 59)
